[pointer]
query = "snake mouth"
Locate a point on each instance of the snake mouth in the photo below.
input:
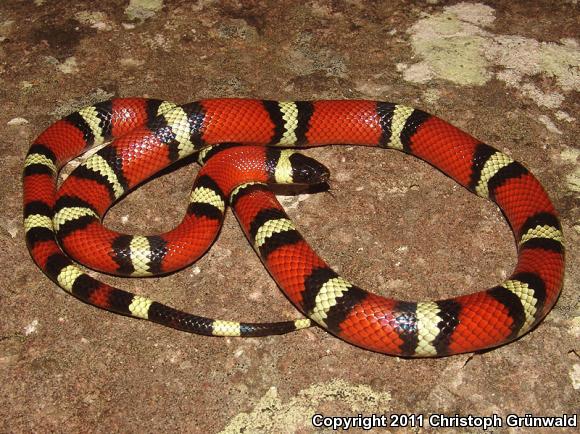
(306, 170)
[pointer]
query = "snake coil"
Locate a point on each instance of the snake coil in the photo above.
(151, 134)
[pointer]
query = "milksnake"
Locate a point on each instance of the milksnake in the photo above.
(152, 134)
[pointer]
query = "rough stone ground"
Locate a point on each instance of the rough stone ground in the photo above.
(507, 72)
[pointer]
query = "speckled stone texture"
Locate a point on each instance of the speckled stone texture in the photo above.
(506, 72)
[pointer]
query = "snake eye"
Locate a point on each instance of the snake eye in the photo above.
(306, 170)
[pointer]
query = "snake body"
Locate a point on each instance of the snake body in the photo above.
(153, 134)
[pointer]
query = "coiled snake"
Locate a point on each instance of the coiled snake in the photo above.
(152, 134)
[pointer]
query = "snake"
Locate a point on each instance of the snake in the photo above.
(257, 142)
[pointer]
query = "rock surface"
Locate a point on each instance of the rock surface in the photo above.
(392, 225)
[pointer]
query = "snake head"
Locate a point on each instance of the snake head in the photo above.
(306, 170)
